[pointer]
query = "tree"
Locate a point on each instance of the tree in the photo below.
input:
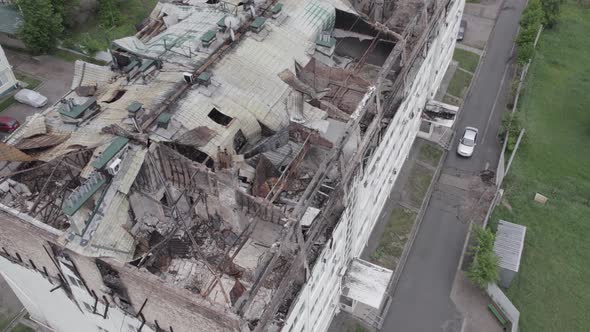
(108, 13)
(67, 10)
(484, 269)
(551, 9)
(41, 25)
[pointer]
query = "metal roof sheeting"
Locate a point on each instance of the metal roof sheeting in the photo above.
(10, 19)
(509, 244)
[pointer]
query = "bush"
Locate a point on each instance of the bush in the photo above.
(109, 14)
(90, 45)
(484, 269)
(42, 25)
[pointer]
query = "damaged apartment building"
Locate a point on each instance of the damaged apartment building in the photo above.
(225, 171)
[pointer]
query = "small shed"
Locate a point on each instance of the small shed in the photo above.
(508, 247)
(10, 22)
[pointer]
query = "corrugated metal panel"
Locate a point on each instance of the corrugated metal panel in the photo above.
(41, 141)
(116, 145)
(87, 74)
(10, 153)
(509, 244)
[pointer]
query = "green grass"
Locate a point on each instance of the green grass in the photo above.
(91, 33)
(4, 323)
(552, 289)
(6, 102)
(459, 84)
(418, 182)
(467, 60)
(394, 238)
(451, 100)
(430, 154)
(22, 328)
(32, 83)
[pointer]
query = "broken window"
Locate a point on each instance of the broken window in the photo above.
(219, 117)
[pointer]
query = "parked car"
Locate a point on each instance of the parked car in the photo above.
(8, 124)
(462, 29)
(31, 97)
(468, 142)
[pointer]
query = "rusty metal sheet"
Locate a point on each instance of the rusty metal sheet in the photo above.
(10, 153)
(41, 141)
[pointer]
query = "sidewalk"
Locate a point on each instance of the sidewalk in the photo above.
(472, 302)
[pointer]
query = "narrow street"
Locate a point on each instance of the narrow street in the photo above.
(421, 301)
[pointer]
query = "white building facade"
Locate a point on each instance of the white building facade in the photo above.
(7, 79)
(319, 299)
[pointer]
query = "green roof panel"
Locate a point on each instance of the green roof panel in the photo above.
(257, 23)
(209, 36)
(116, 145)
(164, 118)
(277, 8)
(70, 209)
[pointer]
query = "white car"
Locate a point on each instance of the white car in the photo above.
(31, 97)
(468, 142)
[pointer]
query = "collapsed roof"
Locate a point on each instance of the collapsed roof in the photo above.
(213, 132)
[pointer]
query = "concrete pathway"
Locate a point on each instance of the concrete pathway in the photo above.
(470, 49)
(422, 299)
(472, 302)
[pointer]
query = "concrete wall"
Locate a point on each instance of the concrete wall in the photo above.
(11, 41)
(318, 300)
(7, 79)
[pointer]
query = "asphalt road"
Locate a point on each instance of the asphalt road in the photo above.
(421, 301)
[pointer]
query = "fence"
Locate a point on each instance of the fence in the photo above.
(502, 169)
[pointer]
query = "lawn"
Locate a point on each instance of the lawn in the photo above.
(467, 60)
(394, 238)
(430, 154)
(552, 289)
(22, 328)
(91, 36)
(459, 84)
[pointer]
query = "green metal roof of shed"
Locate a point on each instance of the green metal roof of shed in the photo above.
(10, 19)
(77, 111)
(277, 8)
(258, 22)
(134, 107)
(116, 145)
(164, 118)
(208, 36)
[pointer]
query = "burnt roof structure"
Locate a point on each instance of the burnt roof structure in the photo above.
(214, 133)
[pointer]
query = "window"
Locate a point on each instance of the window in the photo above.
(219, 117)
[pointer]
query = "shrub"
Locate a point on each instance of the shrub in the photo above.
(484, 269)
(41, 25)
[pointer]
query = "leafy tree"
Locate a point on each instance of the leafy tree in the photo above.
(484, 268)
(551, 9)
(533, 14)
(41, 25)
(67, 10)
(108, 13)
